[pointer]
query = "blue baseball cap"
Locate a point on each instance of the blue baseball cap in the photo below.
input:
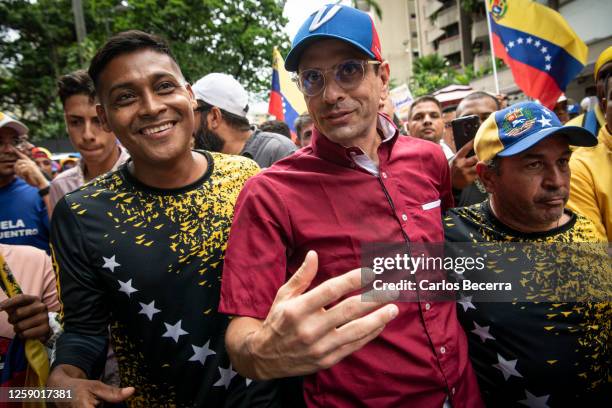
(519, 127)
(339, 22)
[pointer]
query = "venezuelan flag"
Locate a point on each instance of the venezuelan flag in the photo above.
(26, 363)
(538, 45)
(286, 100)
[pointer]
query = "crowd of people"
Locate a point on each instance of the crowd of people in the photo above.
(190, 258)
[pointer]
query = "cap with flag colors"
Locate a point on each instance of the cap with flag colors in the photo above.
(286, 100)
(542, 50)
(519, 127)
(339, 22)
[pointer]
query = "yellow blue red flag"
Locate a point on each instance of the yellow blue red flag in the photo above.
(27, 362)
(538, 45)
(286, 100)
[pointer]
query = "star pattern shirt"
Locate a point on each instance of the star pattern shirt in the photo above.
(148, 262)
(538, 354)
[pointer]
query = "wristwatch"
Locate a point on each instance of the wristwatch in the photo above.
(44, 191)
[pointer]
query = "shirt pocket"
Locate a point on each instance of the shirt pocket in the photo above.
(425, 222)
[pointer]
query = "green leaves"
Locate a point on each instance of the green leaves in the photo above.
(38, 44)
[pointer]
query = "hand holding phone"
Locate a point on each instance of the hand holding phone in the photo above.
(464, 130)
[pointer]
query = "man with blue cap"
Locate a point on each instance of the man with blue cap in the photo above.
(538, 346)
(303, 223)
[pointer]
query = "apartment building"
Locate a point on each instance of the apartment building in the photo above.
(413, 28)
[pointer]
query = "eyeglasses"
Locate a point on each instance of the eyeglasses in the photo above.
(17, 143)
(348, 75)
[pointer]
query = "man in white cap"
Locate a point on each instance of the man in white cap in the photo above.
(223, 126)
(23, 213)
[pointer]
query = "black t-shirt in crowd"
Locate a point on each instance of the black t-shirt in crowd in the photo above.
(544, 354)
(148, 262)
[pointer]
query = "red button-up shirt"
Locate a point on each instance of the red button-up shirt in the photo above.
(322, 199)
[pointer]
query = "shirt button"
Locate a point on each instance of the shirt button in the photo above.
(453, 390)
(404, 217)
(384, 175)
(427, 306)
(442, 349)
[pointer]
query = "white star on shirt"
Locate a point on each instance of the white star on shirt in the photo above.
(529, 40)
(149, 309)
(544, 50)
(520, 40)
(174, 331)
(535, 402)
(548, 67)
(226, 377)
(200, 353)
(507, 367)
(547, 112)
(544, 122)
(466, 302)
(482, 332)
(547, 58)
(511, 44)
(537, 43)
(110, 263)
(126, 287)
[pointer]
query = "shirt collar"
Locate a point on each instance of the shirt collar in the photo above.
(336, 153)
(123, 156)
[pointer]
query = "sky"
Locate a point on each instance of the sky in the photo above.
(298, 10)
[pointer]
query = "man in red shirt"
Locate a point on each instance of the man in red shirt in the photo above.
(301, 224)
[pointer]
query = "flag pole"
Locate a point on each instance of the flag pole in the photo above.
(491, 46)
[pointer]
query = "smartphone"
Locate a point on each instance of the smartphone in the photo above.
(464, 130)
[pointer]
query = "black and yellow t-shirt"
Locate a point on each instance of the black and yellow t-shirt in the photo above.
(545, 354)
(148, 262)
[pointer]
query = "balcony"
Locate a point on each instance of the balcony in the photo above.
(449, 46)
(433, 34)
(447, 17)
(480, 30)
(431, 7)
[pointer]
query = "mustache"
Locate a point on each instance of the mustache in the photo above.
(553, 195)
(8, 156)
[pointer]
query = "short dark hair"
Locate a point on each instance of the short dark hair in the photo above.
(124, 43)
(75, 83)
(301, 122)
(494, 164)
(480, 95)
(276, 126)
(423, 99)
(234, 121)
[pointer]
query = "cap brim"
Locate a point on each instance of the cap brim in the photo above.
(19, 127)
(293, 58)
(576, 135)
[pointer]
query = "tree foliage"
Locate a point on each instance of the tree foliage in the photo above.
(433, 72)
(38, 44)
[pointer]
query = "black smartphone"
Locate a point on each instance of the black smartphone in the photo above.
(464, 130)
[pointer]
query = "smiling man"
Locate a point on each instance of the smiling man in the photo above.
(301, 224)
(99, 150)
(142, 248)
(534, 353)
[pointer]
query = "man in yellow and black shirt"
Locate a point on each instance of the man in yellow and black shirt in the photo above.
(545, 354)
(142, 248)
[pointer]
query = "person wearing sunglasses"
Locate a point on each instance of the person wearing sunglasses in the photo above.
(302, 224)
